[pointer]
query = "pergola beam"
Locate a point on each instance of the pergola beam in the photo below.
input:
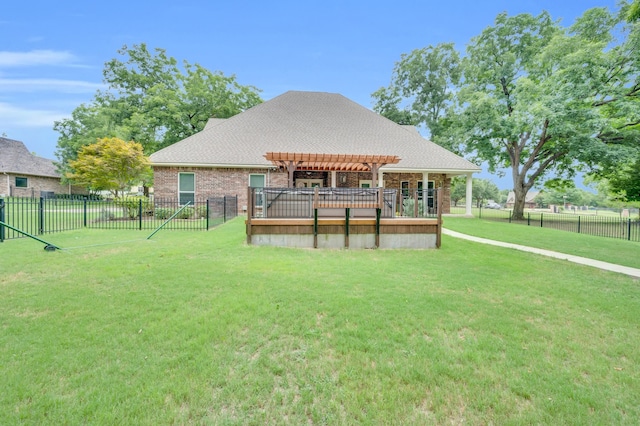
(330, 162)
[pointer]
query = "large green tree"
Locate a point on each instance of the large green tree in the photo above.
(151, 100)
(420, 92)
(543, 100)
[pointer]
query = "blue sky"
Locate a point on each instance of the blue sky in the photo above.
(52, 53)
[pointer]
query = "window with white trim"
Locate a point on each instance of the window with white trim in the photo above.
(186, 188)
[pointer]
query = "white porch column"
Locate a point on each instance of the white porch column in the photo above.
(334, 178)
(380, 179)
(468, 199)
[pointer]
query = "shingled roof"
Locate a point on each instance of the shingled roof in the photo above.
(308, 122)
(15, 158)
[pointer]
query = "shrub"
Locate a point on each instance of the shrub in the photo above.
(163, 213)
(186, 213)
(201, 211)
(408, 206)
(132, 205)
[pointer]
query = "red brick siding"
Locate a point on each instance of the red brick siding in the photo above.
(218, 182)
(213, 182)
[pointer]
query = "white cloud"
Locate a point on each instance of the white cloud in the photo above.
(12, 116)
(30, 85)
(35, 58)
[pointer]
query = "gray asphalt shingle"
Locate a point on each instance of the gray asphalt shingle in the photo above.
(309, 122)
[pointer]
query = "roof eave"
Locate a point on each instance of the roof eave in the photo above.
(212, 165)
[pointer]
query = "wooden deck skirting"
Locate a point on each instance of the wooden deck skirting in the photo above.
(344, 226)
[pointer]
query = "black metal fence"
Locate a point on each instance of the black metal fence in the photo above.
(37, 216)
(333, 202)
(610, 226)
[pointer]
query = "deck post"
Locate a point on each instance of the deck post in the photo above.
(315, 228)
(346, 227)
(378, 213)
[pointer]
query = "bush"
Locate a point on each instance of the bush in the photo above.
(163, 213)
(132, 205)
(408, 206)
(201, 211)
(186, 213)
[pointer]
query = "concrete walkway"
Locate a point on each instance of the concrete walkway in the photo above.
(634, 272)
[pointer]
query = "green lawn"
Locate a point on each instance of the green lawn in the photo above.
(611, 250)
(195, 327)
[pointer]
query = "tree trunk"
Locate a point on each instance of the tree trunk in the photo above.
(520, 193)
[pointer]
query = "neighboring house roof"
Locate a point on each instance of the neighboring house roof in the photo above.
(309, 122)
(529, 198)
(15, 158)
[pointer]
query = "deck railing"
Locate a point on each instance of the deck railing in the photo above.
(336, 202)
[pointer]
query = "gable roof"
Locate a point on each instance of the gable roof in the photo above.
(308, 122)
(15, 158)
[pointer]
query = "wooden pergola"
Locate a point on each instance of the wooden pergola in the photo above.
(292, 161)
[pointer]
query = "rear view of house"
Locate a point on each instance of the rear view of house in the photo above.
(305, 139)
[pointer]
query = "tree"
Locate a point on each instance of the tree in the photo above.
(152, 101)
(626, 182)
(458, 190)
(424, 77)
(634, 11)
(110, 164)
(484, 189)
(542, 100)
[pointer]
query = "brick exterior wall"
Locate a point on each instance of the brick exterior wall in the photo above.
(219, 182)
(36, 184)
(213, 182)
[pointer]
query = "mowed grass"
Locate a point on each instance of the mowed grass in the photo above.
(621, 252)
(196, 327)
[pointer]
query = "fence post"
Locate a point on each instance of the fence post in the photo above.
(41, 216)
(207, 212)
(578, 224)
(224, 209)
(140, 214)
(510, 214)
(84, 223)
(541, 214)
(1, 220)
(529, 219)
(629, 229)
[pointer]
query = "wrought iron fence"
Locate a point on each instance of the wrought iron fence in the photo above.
(604, 225)
(334, 202)
(38, 216)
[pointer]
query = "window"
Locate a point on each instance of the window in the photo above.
(430, 193)
(257, 181)
(186, 188)
(365, 184)
(404, 185)
(22, 182)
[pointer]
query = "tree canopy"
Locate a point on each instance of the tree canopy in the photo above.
(110, 164)
(533, 97)
(151, 100)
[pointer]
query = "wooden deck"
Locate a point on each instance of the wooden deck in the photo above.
(340, 232)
